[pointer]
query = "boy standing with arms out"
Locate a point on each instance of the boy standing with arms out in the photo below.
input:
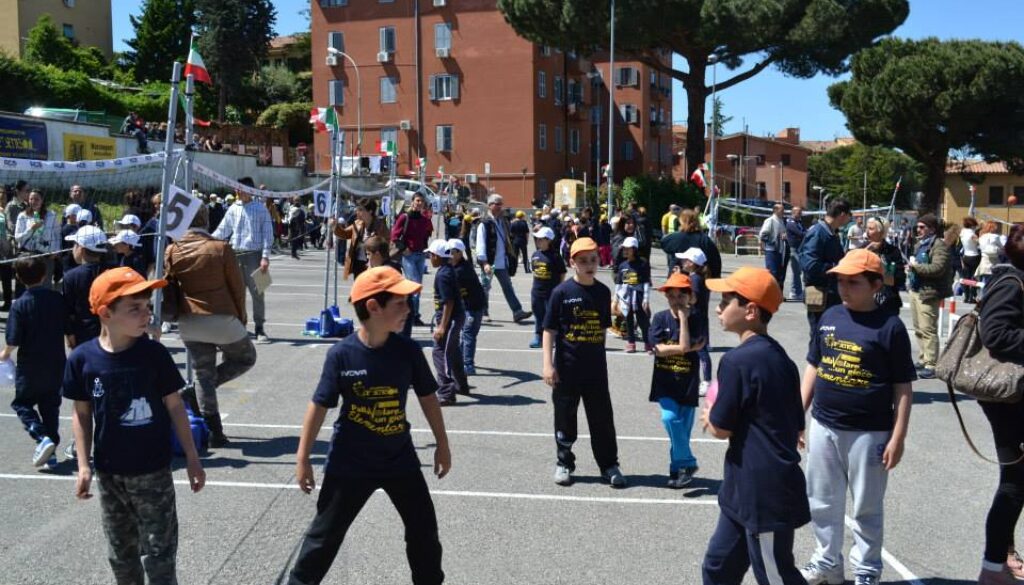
(449, 317)
(548, 272)
(763, 498)
(575, 366)
(472, 294)
(858, 385)
(372, 448)
(34, 328)
(131, 385)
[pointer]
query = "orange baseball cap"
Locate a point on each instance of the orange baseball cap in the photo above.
(677, 280)
(382, 279)
(116, 283)
(857, 262)
(754, 284)
(582, 245)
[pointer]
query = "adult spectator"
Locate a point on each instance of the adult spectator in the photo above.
(17, 202)
(494, 252)
(250, 231)
(212, 316)
(79, 198)
(644, 232)
(971, 256)
(855, 235)
(895, 277)
(670, 222)
(820, 252)
(626, 228)
(365, 225)
(931, 278)
(990, 243)
(6, 252)
(37, 232)
(216, 211)
(410, 235)
(520, 236)
(296, 226)
(690, 235)
(1003, 336)
(773, 236)
(795, 232)
(603, 237)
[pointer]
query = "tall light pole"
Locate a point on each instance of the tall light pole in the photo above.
(611, 111)
(359, 97)
(713, 59)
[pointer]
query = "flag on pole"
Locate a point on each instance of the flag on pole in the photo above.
(323, 119)
(195, 66)
(421, 162)
(195, 120)
(697, 177)
(972, 210)
(387, 147)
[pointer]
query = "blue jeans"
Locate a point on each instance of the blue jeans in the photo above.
(773, 262)
(501, 275)
(678, 421)
(413, 269)
(469, 332)
(540, 309)
(704, 355)
(797, 288)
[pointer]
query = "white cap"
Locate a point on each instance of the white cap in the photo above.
(544, 232)
(630, 242)
(695, 255)
(456, 244)
(72, 209)
(130, 219)
(89, 237)
(84, 216)
(439, 248)
(126, 237)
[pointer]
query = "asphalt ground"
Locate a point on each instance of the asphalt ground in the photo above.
(502, 519)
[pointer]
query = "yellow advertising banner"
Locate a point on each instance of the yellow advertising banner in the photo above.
(82, 147)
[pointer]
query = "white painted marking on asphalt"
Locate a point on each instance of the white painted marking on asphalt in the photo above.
(895, 563)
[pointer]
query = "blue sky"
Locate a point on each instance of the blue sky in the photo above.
(768, 101)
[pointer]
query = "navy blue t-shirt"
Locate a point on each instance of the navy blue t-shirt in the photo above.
(676, 377)
(763, 487)
(703, 299)
(580, 315)
(859, 356)
(80, 320)
(371, 436)
(35, 326)
(446, 288)
(547, 267)
(470, 289)
(634, 274)
(132, 434)
(137, 261)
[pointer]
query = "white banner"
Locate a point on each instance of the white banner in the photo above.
(59, 166)
(208, 172)
(322, 204)
(181, 209)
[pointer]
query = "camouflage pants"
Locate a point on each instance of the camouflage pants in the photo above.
(141, 524)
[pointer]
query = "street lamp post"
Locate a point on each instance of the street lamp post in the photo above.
(713, 59)
(359, 96)
(821, 194)
(611, 111)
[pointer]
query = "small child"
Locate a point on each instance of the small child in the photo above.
(576, 368)
(377, 254)
(126, 244)
(372, 448)
(34, 328)
(69, 228)
(763, 497)
(858, 386)
(130, 383)
(633, 293)
(449, 317)
(676, 336)
(693, 263)
(472, 294)
(90, 247)
(548, 272)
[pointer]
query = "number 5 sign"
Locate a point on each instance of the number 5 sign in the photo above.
(181, 208)
(322, 203)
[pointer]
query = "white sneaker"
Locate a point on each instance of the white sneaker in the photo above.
(815, 576)
(44, 449)
(563, 476)
(704, 388)
(165, 327)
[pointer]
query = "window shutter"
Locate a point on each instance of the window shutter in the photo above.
(455, 86)
(431, 87)
(440, 139)
(383, 39)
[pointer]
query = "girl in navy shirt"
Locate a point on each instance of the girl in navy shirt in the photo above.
(693, 263)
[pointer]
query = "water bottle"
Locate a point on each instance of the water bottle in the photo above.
(7, 371)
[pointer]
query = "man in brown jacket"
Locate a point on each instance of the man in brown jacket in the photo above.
(931, 281)
(212, 315)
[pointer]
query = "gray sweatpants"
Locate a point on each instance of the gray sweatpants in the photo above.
(838, 461)
(248, 262)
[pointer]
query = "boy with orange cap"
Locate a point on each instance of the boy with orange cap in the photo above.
(763, 498)
(858, 386)
(578, 313)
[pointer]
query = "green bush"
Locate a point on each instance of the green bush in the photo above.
(293, 117)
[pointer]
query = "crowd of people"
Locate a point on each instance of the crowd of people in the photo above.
(128, 396)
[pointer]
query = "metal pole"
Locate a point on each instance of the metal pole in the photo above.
(714, 121)
(189, 156)
(865, 207)
(334, 176)
(611, 113)
(165, 187)
(336, 194)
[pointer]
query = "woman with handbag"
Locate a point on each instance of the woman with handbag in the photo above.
(37, 232)
(895, 278)
(367, 224)
(1002, 334)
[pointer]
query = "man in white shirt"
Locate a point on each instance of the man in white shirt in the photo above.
(773, 238)
(493, 251)
(249, 229)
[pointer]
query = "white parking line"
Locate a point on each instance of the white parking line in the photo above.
(895, 563)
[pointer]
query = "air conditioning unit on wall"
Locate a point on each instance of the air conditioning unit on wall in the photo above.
(405, 125)
(443, 52)
(472, 179)
(438, 3)
(383, 57)
(332, 60)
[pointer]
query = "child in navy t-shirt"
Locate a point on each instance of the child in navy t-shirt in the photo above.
(675, 338)
(693, 263)
(763, 497)
(90, 248)
(858, 387)
(471, 292)
(633, 293)
(449, 317)
(548, 272)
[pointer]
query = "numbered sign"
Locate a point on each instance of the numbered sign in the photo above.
(385, 203)
(181, 208)
(322, 204)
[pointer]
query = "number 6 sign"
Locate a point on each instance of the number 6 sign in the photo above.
(322, 203)
(181, 208)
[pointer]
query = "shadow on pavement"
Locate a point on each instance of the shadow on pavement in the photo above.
(922, 397)
(700, 486)
(500, 400)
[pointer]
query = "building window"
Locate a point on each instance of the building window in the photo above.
(542, 84)
(542, 189)
(444, 138)
(336, 40)
(387, 39)
(995, 195)
(387, 90)
(762, 190)
(69, 31)
(628, 150)
(444, 87)
(545, 50)
(385, 1)
(559, 139)
(389, 135)
(558, 90)
(654, 115)
(630, 113)
(333, 3)
(336, 92)
(595, 114)
(654, 78)
(1018, 192)
(574, 141)
(760, 160)
(627, 76)
(542, 136)
(787, 191)
(785, 160)
(443, 35)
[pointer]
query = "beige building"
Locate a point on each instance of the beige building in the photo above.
(994, 185)
(87, 22)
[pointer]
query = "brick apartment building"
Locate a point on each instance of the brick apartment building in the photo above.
(449, 80)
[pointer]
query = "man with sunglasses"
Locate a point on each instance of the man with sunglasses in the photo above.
(931, 280)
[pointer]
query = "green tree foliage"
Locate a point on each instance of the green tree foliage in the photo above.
(718, 117)
(841, 172)
(293, 117)
(928, 97)
(233, 38)
(46, 46)
(162, 34)
(801, 38)
(657, 193)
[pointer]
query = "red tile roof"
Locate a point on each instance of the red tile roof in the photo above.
(979, 167)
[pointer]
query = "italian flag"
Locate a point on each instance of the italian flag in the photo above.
(387, 147)
(324, 119)
(697, 177)
(195, 66)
